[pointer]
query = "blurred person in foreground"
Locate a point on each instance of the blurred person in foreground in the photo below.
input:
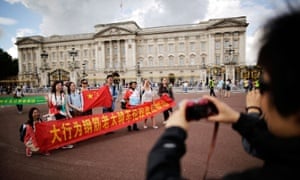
(276, 136)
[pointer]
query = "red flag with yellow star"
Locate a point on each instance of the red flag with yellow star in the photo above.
(96, 98)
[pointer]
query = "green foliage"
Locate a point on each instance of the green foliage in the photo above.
(8, 65)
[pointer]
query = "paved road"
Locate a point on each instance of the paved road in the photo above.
(121, 155)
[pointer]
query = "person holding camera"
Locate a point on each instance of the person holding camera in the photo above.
(276, 137)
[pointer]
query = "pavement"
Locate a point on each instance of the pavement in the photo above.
(122, 155)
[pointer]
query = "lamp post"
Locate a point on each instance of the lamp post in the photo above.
(138, 72)
(44, 65)
(73, 66)
(44, 56)
(230, 70)
(83, 71)
(73, 53)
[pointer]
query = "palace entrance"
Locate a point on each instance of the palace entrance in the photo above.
(58, 75)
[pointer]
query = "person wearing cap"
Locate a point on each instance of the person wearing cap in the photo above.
(132, 98)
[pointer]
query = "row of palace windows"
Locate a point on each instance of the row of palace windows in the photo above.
(171, 48)
(29, 56)
(30, 67)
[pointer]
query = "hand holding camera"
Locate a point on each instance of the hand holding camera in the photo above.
(198, 109)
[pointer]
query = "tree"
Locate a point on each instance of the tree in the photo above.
(8, 66)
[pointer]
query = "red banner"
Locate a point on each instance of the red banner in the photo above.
(54, 134)
(96, 98)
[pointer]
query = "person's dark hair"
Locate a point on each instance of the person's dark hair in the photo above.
(83, 80)
(109, 76)
(115, 74)
(130, 84)
(30, 117)
(53, 89)
(68, 87)
(116, 77)
(279, 58)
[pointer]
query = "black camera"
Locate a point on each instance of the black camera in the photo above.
(59, 107)
(198, 109)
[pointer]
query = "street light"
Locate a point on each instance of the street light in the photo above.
(138, 72)
(73, 53)
(44, 65)
(230, 52)
(83, 72)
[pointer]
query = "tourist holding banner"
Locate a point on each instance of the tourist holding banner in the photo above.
(114, 93)
(132, 98)
(58, 106)
(85, 87)
(74, 100)
(29, 138)
(57, 102)
(166, 89)
(147, 98)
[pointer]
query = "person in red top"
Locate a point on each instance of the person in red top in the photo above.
(132, 98)
(29, 138)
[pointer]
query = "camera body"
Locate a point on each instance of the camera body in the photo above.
(198, 109)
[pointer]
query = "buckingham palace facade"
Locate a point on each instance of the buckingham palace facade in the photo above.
(193, 53)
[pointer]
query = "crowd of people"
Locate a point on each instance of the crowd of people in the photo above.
(65, 101)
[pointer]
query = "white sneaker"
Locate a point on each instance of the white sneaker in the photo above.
(31, 146)
(155, 127)
(70, 146)
(145, 127)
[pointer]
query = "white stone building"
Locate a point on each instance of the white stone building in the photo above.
(191, 52)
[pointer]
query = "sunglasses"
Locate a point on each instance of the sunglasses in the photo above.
(263, 86)
(84, 83)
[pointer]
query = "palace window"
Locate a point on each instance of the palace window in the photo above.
(181, 60)
(217, 44)
(171, 48)
(203, 46)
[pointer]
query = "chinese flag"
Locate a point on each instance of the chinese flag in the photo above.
(96, 98)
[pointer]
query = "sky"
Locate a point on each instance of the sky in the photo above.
(19, 18)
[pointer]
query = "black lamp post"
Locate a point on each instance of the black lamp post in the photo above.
(83, 71)
(73, 53)
(230, 51)
(44, 64)
(138, 71)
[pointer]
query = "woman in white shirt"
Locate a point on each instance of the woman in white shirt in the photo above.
(147, 97)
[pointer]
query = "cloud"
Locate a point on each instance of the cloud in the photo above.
(25, 32)
(77, 16)
(7, 21)
(13, 51)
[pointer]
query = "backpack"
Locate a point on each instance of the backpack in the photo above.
(22, 131)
